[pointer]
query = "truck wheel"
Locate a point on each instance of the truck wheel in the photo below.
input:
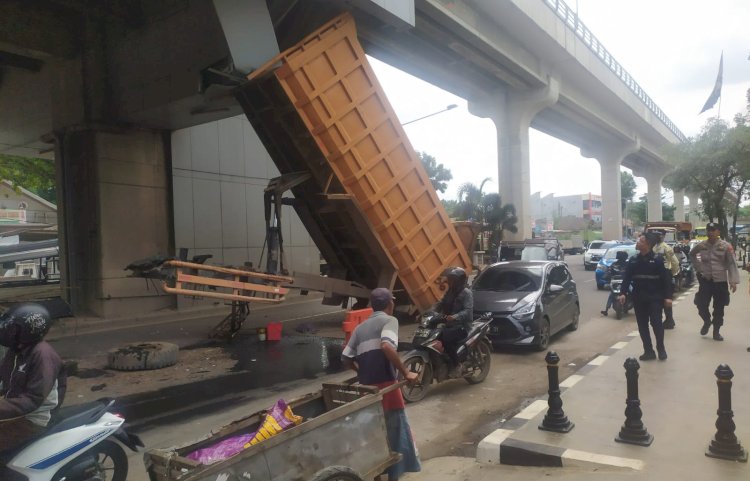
(337, 473)
(143, 356)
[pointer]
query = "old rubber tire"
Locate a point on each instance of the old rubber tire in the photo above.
(142, 356)
(417, 391)
(337, 473)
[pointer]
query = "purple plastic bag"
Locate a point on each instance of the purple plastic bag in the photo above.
(222, 450)
(231, 446)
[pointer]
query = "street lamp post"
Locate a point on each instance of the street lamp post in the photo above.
(447, 108)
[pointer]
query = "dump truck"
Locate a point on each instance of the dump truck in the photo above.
(359, 187)
(673, 231)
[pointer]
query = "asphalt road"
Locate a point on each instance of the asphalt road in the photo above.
(454, 416)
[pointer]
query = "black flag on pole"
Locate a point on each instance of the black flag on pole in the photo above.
(716, 93)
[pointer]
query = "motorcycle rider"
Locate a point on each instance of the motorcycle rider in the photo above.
(617, 269)
(32, 377)
(457, 307)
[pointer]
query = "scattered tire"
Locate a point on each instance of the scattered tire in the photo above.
(142, 356)
(337, 473)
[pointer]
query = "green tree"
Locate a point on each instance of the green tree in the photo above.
(438, 174)
(627, 188)
(715, 163)
(498, 218)
(36, 175)
(469, 200)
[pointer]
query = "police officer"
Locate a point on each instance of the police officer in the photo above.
(714, 263)
(673, 265)
(652, 289)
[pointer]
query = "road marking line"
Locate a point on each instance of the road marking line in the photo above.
(586, 458)
(571, 381)
(532, 410)
(619, 345)
(488, 450)
(634, 334)
(598, 361)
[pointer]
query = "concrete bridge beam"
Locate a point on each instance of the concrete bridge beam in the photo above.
(512, 112)
(610, 157)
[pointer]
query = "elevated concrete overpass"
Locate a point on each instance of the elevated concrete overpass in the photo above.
(99, 87)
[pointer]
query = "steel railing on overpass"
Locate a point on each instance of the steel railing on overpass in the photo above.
(571, 20)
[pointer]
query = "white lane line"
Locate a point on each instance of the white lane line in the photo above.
(571, 457)
(598, 361)
(488, 450)
(634, 334)
(619, 345)
(571, 381)
(532, 410)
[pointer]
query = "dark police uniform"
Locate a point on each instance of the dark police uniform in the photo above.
(652, 284)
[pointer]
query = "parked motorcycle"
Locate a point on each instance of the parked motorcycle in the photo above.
(615, 287)
(686, 277)
(78, 445)
(430, 361)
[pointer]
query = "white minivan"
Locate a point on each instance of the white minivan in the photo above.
(595, 252)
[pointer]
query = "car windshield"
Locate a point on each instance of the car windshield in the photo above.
(534, 253)
(596, 245)
(612, 252)
(503, 279)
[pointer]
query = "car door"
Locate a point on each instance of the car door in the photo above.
(554, 303)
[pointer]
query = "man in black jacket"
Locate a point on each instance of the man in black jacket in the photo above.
(652, 290)
(32, 378)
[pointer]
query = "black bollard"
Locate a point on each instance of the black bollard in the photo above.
(555, 419)
(633, 431)
(725, 444)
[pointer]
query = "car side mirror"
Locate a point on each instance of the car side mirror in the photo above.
(555, 288)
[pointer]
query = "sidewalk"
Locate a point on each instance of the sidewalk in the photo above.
(679, 402)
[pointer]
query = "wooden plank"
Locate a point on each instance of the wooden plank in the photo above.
(227, 270)
(246, 286)
(219, 295)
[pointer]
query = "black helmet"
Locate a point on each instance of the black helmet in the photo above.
(621, 256)
(456, 277)
(24, 324)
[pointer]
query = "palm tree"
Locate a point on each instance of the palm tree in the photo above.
(469, 200)
(487, 209)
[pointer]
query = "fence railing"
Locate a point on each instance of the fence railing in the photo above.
(571, 20)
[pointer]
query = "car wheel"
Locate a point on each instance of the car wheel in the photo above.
(573, 326)
(544, 335)
(599, 287)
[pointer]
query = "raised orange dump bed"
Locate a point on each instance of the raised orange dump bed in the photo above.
(319, 108)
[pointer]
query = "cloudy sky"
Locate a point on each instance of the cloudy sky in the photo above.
(671, 48)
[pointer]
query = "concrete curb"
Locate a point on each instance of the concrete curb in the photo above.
(500, 448)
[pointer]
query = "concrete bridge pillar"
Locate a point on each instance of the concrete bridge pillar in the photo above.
(693, 214)
(610, 157)
(679, 205)
(512, 112)
(653, 176)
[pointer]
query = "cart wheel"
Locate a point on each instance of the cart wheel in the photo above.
(337, 473)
